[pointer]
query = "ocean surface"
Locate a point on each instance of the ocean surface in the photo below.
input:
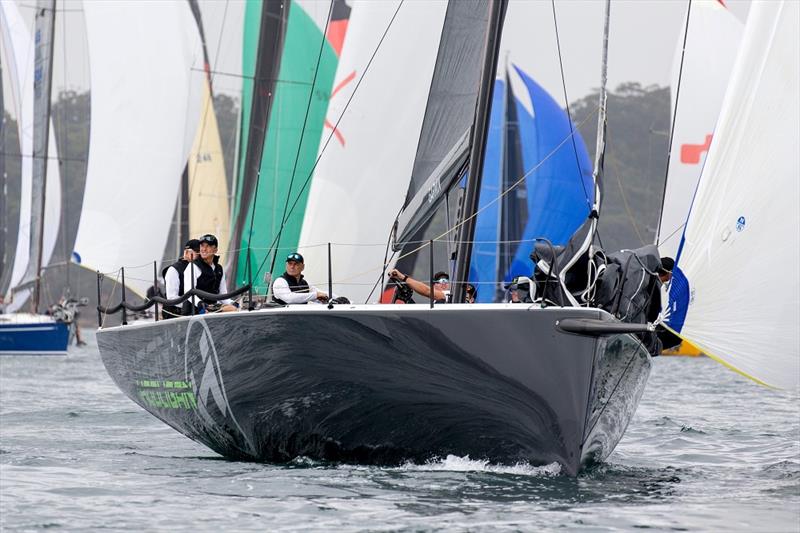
(707, 450)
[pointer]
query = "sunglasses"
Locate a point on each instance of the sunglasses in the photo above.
(442, 280)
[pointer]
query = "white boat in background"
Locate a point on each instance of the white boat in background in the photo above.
(735, 290)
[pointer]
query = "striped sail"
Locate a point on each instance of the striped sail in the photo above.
(282, 175)
(712, 41)
(363, 173)
(735, 291)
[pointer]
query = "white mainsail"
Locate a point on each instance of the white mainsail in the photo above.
(735, 292)
(712, 42)
(360, 182)
(146, 99)
(19, 46)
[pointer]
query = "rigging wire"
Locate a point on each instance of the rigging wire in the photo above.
(566, 102)
(674, 115)
(284, 216)
(335, 127)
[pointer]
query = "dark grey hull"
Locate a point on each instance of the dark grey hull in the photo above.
(385, 384)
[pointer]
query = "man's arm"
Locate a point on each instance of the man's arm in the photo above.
(281, 291)
(173, 282)
(223, 288)
(423, 289)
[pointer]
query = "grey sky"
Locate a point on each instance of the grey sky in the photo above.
(644, 34)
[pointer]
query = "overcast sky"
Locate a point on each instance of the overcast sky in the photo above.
(643, 38)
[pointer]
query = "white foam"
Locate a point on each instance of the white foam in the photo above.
(454, 463)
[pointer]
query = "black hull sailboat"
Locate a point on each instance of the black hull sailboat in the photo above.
(386, 384)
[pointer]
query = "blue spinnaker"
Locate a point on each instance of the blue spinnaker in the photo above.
(558, 183)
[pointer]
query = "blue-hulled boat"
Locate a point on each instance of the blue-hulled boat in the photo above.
(29, 334)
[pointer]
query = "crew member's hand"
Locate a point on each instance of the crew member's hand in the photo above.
(321, 296)
(396, 274)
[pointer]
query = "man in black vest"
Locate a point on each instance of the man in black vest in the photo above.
(292, 288)
(173, 277)
(205, 273)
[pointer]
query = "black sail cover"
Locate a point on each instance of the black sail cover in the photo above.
(443, 146)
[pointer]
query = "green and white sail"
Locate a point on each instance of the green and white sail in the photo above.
(297, 105)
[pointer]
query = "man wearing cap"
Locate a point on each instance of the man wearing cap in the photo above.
(667, 338)
(441, 285)
(205, 273)
(173, 277)
(292, 288)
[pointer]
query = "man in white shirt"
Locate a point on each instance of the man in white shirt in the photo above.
(173, 277)
(292, 288)
(206, 274)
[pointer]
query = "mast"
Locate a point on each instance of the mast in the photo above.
(602, 122)
(479, 132)
(272, 30)
(42, 88)
(4, 263)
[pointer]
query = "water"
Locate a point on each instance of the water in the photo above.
(707, 450)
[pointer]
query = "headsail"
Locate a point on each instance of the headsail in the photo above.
(207, 187)
(712, 41)
(142, 59)
(735, 291)
(444, 141)
(361, 179)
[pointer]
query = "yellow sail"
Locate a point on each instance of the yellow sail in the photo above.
(208, 189)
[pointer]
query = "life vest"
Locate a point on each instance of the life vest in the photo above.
(294, 286)
(179, 265)
(210, 276)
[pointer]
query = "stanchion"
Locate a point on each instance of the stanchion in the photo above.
(191, 299)
(155, 285)
(99, 300)
(330, 279)
(430, 249)
(124, 311)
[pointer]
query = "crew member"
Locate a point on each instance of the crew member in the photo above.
(292, 288)
(173, 277)
(441, 285)
(667, 338)
(205, 273)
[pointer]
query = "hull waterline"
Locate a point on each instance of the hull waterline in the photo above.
(385, 384)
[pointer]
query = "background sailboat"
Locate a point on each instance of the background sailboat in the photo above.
(735, 292)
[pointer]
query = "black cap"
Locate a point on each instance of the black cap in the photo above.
(208, 238)
(192, 244)
(294, 256)
(441, 275)
(667, 264)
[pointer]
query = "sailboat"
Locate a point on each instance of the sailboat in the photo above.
(705, 53)
(735, 292)
(540, 383)
(31, 75)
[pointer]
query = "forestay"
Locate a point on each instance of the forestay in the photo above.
(735, 291)
(712, 41)
(145, 108)
(363, 174)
